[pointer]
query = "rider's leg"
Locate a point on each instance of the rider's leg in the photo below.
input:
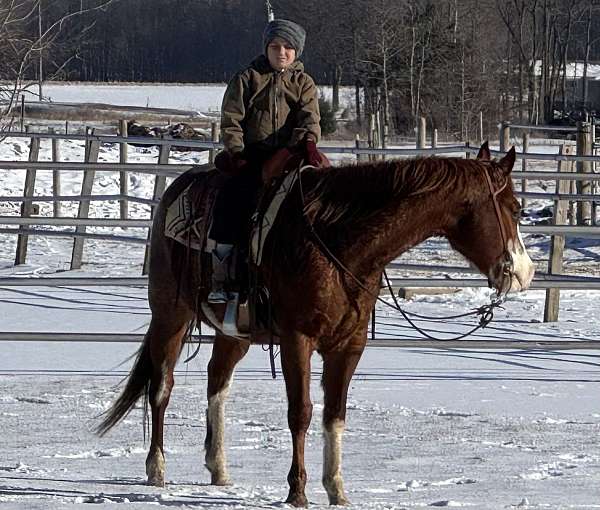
(222, 266)
(233, 208)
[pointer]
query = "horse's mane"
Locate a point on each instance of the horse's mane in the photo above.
(339, 196)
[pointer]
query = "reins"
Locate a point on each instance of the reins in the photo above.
(485, 312)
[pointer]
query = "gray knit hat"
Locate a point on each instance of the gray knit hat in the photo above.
(288, 30)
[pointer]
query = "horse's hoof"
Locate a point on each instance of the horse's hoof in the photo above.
(221, 480)
(155, 468)
(339, 500)
(297, 500)
(156, 480)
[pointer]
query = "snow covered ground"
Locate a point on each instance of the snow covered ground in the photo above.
(490, 429)
(203, 98)
(426, 428)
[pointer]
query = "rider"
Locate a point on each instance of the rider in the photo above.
(270, 105)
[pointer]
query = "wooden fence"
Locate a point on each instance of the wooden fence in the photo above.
(553, 281)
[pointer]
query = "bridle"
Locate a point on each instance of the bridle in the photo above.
(485, 312)
(507, 263)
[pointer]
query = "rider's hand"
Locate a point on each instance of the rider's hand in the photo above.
(229, 163)
(312, 156)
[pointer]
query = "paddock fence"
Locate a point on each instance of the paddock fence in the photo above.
(22, 225)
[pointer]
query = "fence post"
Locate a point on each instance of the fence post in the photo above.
(434, 139)
(214, 136)
(524, 167)
(596, 185)
(373, 141)
(91, 156)
(160, 184)
(504, 136)
(123, 176)
(421, 133)
(22, 112)
(584, 148)
(27, 206)
(480, 128)
(359, 145)
(557, 242)
(56, 187)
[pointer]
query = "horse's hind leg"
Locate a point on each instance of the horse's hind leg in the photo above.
(225, 355)
(338, 368)
(165, 338)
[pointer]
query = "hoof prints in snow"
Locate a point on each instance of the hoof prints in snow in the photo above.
(94, 454)
(421, 484)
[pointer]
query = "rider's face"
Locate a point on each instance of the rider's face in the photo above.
(280, 53)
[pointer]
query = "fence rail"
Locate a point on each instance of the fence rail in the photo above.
(74, 234)
(541, 281)
(546, 345)
(65, 222)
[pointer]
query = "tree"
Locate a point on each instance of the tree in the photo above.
(28, 31)
(328, 122)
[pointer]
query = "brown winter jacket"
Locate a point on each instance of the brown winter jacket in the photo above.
(264, 110)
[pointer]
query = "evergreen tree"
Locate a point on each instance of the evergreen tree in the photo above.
(328, 122)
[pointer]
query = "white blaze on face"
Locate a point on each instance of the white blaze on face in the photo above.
(523, 268)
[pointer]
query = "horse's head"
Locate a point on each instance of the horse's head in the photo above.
(487, 232)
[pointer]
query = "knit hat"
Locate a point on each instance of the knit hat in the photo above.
(288, 30)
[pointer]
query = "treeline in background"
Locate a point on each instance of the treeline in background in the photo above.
(447, 60)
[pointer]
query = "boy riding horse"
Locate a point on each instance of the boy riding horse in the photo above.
(270, 105)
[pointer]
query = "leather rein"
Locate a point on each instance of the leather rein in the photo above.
(485, 312)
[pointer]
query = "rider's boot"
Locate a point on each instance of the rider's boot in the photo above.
(221, 265)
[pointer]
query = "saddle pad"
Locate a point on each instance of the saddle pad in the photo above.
(183, 219)
(262, 227)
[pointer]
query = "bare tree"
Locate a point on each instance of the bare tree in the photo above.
(23, 41)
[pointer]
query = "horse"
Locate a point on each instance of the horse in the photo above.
(322, 264)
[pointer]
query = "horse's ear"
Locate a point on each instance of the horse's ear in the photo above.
(508, 161)
(484, 152)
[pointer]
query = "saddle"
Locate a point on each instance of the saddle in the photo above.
(188, 221)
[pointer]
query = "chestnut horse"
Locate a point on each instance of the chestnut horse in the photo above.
(322, 264)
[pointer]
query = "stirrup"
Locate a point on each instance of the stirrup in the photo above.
(231, 315)
(218, 296)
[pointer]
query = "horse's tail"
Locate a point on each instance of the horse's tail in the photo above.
(138, 385)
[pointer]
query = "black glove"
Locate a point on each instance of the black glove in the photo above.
(229, 163)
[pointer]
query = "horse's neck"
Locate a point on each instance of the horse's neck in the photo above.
(373, 214)
(388, 234)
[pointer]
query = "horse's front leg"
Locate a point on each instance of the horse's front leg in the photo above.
(225, 356)
(338, 368)
(295, 361)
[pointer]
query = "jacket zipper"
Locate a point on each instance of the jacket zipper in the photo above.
(276, 109)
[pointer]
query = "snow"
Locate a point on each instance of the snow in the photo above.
(574, 70)
(426, 427)
(203, 98)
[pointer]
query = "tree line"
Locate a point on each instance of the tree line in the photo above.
(447, 60)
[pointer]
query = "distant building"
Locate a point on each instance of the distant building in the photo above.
(575, 103)
(575, 81)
